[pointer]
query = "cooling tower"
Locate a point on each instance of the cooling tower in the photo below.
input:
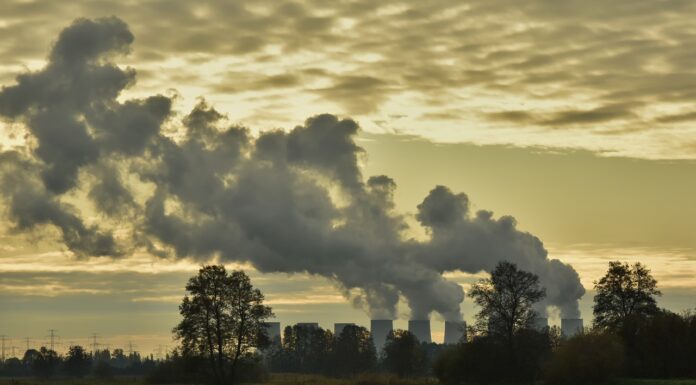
(380, 329)
(420, 329)
(571, 326)
(540, 323)
(338, 328)
(309, 325)
(455, 331)
(273, 331)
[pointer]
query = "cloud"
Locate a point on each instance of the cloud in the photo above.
(281, 201)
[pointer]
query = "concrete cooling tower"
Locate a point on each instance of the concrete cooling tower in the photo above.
(380, 329)
(338, 328)
(421, 329)
(571, 326)
(455, 332)
(310, 325)
(273, 331)
(540, 323)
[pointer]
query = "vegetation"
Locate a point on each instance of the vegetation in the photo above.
(592, 358)
(624, 293)
(223, 320)
(506, 300)
(223, 338)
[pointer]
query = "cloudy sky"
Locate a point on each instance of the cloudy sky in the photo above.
(158, 135)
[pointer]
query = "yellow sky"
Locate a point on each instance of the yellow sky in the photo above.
(576, 117)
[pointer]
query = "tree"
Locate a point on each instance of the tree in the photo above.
(354, 352)
(77, 363)
(43, 362)
(506, 300)
(624, 292)
(404, 355)
(306, 349)
(223, 319)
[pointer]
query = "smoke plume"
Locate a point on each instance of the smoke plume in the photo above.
(285, 201)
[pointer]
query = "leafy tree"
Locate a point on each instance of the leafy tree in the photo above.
(506, 300)
(306, 349)
(354, 352)
(77, 363)
(590, 358)
(223, 318)
(624, 292)
(404, 355)
(43, 362)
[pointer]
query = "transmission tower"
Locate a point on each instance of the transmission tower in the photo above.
(52, 335)
(95, 344)
(3, 338)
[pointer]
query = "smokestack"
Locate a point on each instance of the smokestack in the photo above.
(420, 329)
(571, 326)
(273, 331)
(540, 323)
(338, 328)
(380, 329)
(455, 331)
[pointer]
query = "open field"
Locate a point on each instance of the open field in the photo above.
(299, 379)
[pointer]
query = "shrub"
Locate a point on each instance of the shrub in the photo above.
(592, 358)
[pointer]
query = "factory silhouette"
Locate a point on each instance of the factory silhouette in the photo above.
(454, 331)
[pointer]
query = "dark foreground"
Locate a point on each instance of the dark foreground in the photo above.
(299, 379)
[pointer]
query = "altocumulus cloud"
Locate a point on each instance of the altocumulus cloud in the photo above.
(283, 201)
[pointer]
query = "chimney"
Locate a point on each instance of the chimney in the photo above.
(455, 331)
(380, 329)
(273, 331)
(571, 326)
(420, 329)
(338, 328)
(540, 323)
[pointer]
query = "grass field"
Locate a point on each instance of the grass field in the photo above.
(298, 379)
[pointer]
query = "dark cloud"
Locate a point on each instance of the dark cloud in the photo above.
(570, 117)
(291, 202)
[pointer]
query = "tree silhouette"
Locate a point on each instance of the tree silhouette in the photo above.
(354, 352)
(404, 355)
(624, 292)
(77, 363)
(223, 319)
(506, 300)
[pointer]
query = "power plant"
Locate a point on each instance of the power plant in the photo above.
(380, 329)
(338, 328)
(309, 325)
(273, 331)
(571, 326)
(420, 329)
(541, 323)
(455, 331)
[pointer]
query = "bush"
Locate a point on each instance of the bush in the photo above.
(488, 359)
(592, 358)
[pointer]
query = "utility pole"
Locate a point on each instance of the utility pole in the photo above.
(28, 340)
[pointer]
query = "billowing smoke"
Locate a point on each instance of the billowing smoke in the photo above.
(292, 201)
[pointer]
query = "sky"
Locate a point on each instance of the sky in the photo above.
(303, 142)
